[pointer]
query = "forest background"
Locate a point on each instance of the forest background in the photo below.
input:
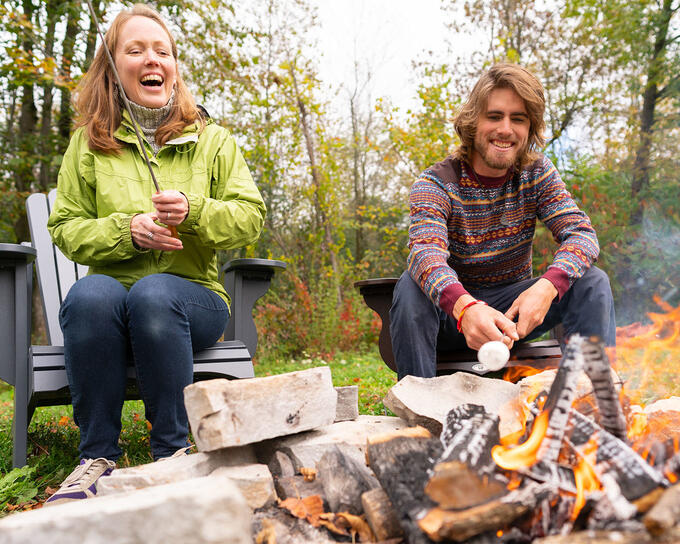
(335, 164)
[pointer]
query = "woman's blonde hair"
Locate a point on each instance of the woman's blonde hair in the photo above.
(503, 76)
(96, 98)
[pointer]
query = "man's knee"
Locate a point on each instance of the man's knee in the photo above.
(594, 285)
(408, 298)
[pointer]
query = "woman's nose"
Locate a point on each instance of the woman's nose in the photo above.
(151, 57)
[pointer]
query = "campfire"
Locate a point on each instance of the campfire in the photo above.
(598, 462)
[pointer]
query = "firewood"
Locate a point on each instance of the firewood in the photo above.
(665, 514)
(456, 486)
(560, 398)
(468, 436)
(401, 461)
(634, 475)
(380, 514)
(344, 480)
(440, 524)
(597, 537)
(296, 487)
(645, 503)
(598, 369)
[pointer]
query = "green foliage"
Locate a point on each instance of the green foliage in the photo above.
(17, 486)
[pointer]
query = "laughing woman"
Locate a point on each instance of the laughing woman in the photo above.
(149, 296)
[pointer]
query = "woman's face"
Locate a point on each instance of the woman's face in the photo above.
(145, 63)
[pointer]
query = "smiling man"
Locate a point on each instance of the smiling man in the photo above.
(472, 222)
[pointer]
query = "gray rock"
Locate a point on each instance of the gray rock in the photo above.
(296, 487)
(306, 449)
(254, 481)
(348, 403)
(201, 510)
(224, 413)
(173, 470)
(670, 404)
(281, 465)
(427, 401)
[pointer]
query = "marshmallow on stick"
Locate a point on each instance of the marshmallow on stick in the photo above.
(493, 355)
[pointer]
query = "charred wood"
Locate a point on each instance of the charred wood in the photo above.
(344, 480)
(559, 476)
(468, 436)
(665, 514)
(295, 487)
(401, 461)
(598, 369)
(634, 475)
(560, 398)
(457, 486)
(380, 514)
(440, 524)
(597, 537)
(645, 503)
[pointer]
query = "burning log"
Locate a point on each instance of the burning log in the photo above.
(598, 369)
(560, 398)
(469, 435)
(440, 524)
(597, 537)
(634, 475)
(664, 514)
(380, 514)
(455, 485)
(401, 461)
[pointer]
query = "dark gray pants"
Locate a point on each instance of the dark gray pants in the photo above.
(418, 328)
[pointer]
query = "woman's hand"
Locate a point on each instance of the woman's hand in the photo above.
(172, 207)
(149, 234)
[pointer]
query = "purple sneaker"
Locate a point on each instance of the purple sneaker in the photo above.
(82, 482)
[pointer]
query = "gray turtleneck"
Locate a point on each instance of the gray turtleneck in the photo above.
(150, 119)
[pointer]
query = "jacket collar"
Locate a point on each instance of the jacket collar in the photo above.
(126, 132)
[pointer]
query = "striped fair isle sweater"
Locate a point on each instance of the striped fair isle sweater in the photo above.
(466, 233)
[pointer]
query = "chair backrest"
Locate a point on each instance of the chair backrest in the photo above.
(56, 274)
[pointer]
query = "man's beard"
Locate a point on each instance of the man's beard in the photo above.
(485, 150)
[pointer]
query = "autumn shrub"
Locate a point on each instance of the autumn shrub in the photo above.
(298, 319)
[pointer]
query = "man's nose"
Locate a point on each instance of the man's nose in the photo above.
(505, 125)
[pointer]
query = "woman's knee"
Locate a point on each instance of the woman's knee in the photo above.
(95, 297)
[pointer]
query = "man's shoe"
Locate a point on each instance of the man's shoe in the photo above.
(182, 452)
(82, 482)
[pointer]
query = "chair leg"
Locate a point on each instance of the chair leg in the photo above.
(20, 428)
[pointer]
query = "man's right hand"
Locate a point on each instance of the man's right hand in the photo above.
(482, 324)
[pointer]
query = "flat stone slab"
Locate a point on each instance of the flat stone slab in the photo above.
(224, 413)
(348, 403)
(255, 483)
(173, 470)
(306, 449)
(427, 401)
(201, 510)
(670, 404)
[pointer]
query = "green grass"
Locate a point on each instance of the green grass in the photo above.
(53, 436)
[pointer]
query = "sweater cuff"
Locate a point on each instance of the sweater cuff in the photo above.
(450, 295)
(559, 279)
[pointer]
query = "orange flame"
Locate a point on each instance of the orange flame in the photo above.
(514, 373)
(523, 455)
(586, 480)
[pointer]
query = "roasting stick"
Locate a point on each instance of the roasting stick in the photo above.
(126, 102)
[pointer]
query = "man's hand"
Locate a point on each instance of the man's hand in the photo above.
(481, 324)
(531, 306)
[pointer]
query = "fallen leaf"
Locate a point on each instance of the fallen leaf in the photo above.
(358, 525)
(49, 491)
(268, 533)
(309, 474)
(309, 508)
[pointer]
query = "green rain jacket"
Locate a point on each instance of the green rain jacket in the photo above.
(98, 194)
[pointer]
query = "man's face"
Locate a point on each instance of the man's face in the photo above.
(502, 133)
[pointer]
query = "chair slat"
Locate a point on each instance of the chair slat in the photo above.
(66, 269)
(37, 213)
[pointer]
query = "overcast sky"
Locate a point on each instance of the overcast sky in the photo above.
(383, 35)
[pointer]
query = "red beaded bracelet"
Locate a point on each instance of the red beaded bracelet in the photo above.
(462, 312)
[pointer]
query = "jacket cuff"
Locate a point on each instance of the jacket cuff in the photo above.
(194, 209)
(450, 295)
(127, 236)
(559, 279)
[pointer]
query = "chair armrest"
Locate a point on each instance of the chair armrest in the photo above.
(246, 280)
(377, 293)
(16, 288)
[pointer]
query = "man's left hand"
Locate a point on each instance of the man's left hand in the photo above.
(531, 306)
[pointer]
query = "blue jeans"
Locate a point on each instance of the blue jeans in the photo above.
(418, 328)
(157, 324)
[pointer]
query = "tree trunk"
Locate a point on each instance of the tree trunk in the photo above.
(327, 244)
(92, 36)
(68, 47)
(649, 100)
(45, 144)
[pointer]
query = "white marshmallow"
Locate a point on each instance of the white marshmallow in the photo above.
(493, 355)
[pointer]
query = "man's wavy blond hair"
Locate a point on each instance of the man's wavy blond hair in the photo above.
(503, 76)
(96, 99)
